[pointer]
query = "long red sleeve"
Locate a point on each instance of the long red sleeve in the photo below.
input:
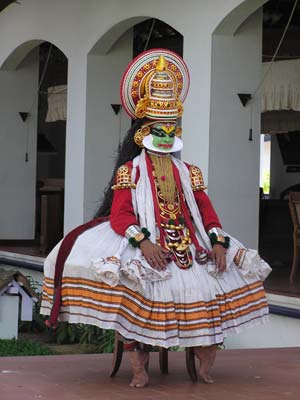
(122, 214)
(208, 214)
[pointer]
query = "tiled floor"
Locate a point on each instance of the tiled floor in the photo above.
(265, 374)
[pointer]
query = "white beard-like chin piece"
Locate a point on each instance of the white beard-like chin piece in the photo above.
(177, 146)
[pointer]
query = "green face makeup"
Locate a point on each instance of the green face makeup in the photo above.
(163, 136)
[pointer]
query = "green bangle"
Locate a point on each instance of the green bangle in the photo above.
(145, 235)
(222, 240)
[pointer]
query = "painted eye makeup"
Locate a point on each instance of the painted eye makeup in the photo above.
(158, 132)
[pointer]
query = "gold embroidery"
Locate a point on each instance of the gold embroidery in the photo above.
(176, 236)
(123, 179)
(196, 179)
(164, 174)
(239, 257)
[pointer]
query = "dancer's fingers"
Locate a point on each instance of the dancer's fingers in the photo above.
(222, 263)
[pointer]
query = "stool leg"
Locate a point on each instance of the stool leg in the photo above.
(295, 259)
(117, 356)
(163, 360)
(190, 363)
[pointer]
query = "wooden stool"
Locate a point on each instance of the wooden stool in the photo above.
(294, 204)
(163, 360)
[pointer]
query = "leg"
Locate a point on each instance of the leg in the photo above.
(206, 356)
(139, 360)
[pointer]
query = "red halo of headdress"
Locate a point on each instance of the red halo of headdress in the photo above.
(134, 77)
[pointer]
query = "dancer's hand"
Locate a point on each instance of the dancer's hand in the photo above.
(218, 256)
(155, 255)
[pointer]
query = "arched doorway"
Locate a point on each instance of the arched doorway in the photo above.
(280, 127)
(105, 128)
(51, 146)
(154, 33)
(233, 159)
(33, 129)
(240, 46)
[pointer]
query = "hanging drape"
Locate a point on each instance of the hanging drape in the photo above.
(281, 87)
(280, 97)
(280, 121)
(57, 103)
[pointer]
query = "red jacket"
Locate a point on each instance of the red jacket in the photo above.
(122, 214)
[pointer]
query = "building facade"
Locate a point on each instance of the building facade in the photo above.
(222, 48)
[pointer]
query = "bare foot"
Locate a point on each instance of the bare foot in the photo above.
(212, 354)
(138, 361)
(206, 356)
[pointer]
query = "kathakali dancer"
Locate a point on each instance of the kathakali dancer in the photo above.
(155, 265)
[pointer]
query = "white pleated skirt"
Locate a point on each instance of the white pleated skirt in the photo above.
(107, 283)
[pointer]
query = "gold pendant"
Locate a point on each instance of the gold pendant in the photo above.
(181, 247)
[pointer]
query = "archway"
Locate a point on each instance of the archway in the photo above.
(233, 160)
(104, 128)
(239, 47)
(32, 165)
(233, 21)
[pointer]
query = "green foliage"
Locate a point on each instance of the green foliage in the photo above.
(67, 333)
(106, 342)
(266, 182)
(90, 334)
(35, 285)
(102, 341)
(13, 347)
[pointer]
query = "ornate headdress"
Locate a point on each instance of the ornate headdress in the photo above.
(154, 86)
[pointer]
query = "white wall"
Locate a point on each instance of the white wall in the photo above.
(279, 332)
(78, 29)
(280, 179)
(18, 90)
(234, 161)
(104, 129)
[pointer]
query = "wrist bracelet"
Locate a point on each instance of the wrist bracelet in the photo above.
(136, 235)
(222, 240)
(216, 236)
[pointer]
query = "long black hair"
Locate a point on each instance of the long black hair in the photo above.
(127, 151)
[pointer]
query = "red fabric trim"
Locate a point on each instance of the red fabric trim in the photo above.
(64, 251)
(130, 346)
(186, 211)
(209, 216)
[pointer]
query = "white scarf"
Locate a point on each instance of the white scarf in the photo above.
(143, 201)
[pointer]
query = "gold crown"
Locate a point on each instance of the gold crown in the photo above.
(160, 99)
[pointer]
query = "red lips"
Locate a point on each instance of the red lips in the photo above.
(165, 146)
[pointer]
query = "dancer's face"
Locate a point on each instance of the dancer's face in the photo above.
(163, 135)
